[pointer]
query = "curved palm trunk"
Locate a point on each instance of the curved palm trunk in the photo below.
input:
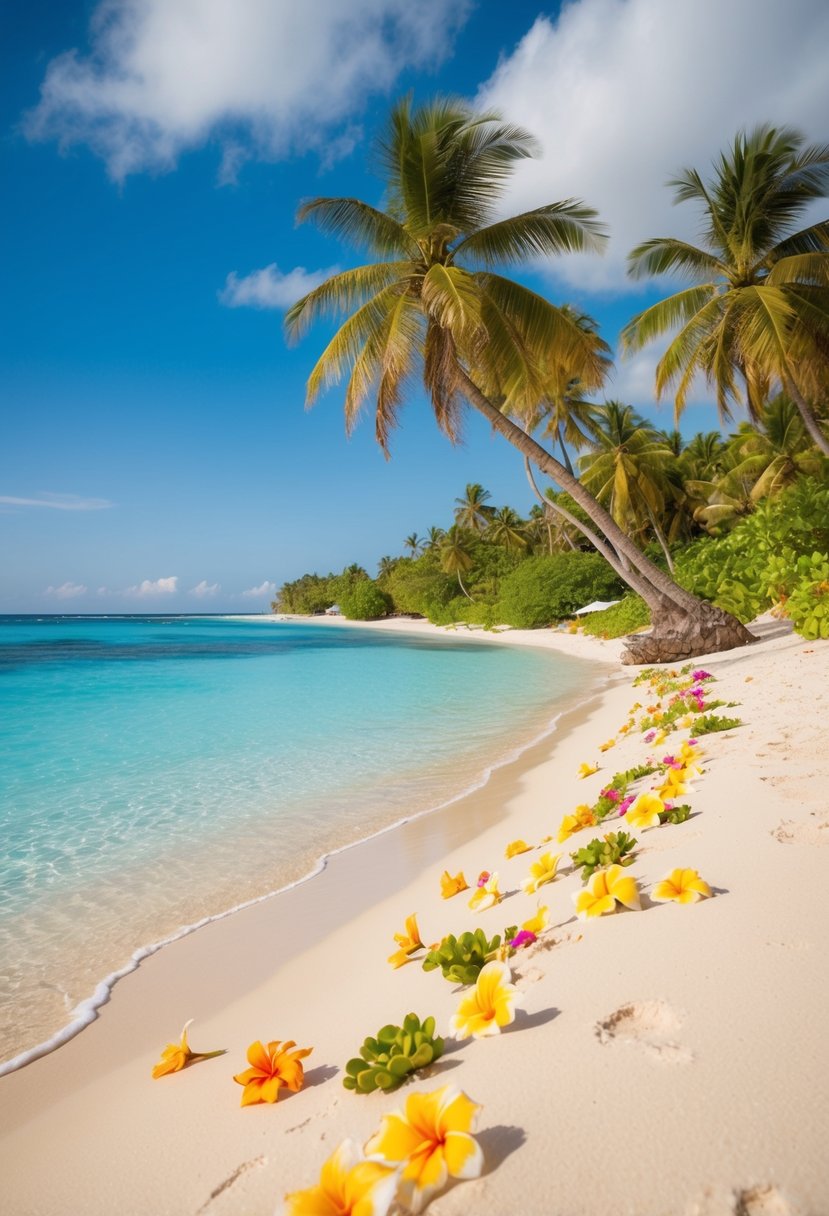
(683, 625)
(567, 462)
(660, 536)
(463, 589)
(809, 420)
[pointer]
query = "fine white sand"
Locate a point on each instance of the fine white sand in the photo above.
(668, 1062)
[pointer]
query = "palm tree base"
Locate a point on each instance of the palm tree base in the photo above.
(676, 635)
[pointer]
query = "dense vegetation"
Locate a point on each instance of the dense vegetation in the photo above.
(664, 517)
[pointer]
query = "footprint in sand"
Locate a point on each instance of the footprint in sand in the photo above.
(761, 1201)
(650, 1025)
(810, 831)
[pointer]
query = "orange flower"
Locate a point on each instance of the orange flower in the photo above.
(271, 1069)
(408, 941)
(176, 1056)
(450, 886)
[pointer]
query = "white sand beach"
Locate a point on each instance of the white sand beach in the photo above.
(664, 1062)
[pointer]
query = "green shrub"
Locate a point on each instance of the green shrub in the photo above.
(630, 614)
(365, 602)
(420, 586)
(386, 1061)
(545, 589)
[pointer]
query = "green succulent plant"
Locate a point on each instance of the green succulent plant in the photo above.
(386, 1061)
(616, 848)
(461, 958)
(677, 814)
(708, 724)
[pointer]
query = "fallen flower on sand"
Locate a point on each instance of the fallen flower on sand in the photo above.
(176, 1056)
(681, 886)
(587, 770)
(524, 937)
(486, 895)
(602, 892)
(538, 923)
(489, 1007)
(541, 871)
(582, 817)
(605, 747)
(271, 1069)
(515, 847)
(644, 811)
(450, 886)
(431, 1141)
(408, 942)
(348, 1186)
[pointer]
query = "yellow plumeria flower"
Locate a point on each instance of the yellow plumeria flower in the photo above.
(644, 811)
(681, 886)
(430, 1139)
(582, 817)
(690, 751)
(450, 886)
(541, 871)
(587, 770)
(408, 942)
(348, 1186)
(489, 1007)
(684, 723)
(486, 894)
(515, 847)
(605, 747)
(659, 737)
(672, 788)
(538, 923)
(176, 1056)
(604, 890)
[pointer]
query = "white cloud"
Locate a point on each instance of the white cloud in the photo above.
(151, 587)
(622, 93)
(205, 590)
(67, 591)
(270, 287)
(59, 502)
(264, 77)
(265, 590)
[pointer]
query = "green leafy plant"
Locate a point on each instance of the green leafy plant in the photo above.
(708, 724)
(386, 1061)
(807, 606)
(617, 788)
(676, 814)
(616, 848)
(461, 958)
(630, 614)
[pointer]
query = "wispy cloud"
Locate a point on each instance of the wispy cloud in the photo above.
(271, 287)
(205, 590)
(266, 589)
(613, 90)
(67, 591)
(59, 502)
(151, 587)
(260, 78)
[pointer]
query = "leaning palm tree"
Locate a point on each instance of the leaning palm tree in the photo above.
(757, 313)
(472, 511)
(434, 299)
(455, 556)
(565, 415)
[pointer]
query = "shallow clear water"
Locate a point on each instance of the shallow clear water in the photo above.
(157, 770)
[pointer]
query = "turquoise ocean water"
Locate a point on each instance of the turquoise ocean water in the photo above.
(157, 770)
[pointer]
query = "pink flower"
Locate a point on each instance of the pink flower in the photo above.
(625, 803)
(692, 742)
(650, 736)
(523, 938)
(700, 675)
(611, 792)
(483, 878)
(670, 760)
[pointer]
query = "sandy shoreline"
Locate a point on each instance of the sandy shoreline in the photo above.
(704, 1093)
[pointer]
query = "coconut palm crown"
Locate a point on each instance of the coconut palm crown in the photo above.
(757, 312)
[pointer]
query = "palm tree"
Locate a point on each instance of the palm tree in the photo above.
(434, 537)
(455, 557)
(777, 452)
(471, 511)
(434, 296)
(385, 566)
(758, 308)
(567, 417)
(413, 544)
(628, 470)
(508, 529)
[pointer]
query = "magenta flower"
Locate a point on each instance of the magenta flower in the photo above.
(483, 878)
(523, 938)
(669, 760)
(611, 793)
(701, 675)
(625, 803)
(650, 736)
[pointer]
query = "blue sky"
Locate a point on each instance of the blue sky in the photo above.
(156, 455)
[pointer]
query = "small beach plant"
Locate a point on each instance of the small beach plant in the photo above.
(615, 847)
(462, 958)
(709, 724)
(393, 1055)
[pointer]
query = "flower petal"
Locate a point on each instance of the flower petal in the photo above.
(464, 1155)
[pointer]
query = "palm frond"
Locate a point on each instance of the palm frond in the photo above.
(341, 293)
(440, 363)
(562, 227)
(665, 315)
(343, 350)
(451, 298)
(662, 255)
(814, 239)
(359, 224)
(812, 268)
